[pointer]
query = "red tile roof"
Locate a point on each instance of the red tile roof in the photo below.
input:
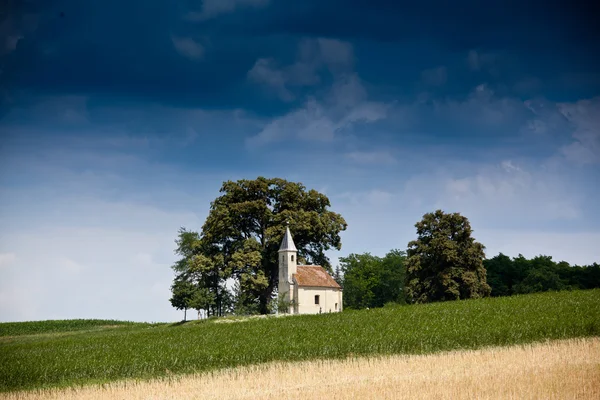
(314, 275)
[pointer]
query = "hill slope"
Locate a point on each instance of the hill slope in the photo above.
(145, 351)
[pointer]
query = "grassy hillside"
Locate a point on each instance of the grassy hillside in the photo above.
(145, 351)
(55, 326)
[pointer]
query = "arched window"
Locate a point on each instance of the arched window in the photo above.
(292, 257)
(317, 299)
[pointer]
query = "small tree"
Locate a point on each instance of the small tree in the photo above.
(201, 299)
(182, 294)
(445, 262)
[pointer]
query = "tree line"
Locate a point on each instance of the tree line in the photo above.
(370, 281)
(231, 265)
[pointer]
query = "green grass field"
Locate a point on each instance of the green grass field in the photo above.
(56, 326)
(67, 353)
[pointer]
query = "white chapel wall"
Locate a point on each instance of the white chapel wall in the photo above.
(328, 298)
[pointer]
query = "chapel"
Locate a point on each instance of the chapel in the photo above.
(309, 289)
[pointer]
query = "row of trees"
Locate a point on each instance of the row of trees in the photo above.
(232, 264)
(446, 263)
(519, 275)
(506, 276)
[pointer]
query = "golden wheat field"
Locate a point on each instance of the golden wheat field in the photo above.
(566, 369)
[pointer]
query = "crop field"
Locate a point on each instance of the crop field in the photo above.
(55, 326)
(560, 369)
(144, 351)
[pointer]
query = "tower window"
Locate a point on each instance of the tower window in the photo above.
(292, 257)
(317, 299)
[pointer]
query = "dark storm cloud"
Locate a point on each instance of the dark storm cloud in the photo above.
(177, 53)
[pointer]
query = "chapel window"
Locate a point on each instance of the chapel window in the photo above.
(292, 257)
(317, 299)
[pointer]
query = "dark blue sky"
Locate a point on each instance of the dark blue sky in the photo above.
(113, 48)
(119, 120)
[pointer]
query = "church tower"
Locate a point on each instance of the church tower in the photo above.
(288, 260)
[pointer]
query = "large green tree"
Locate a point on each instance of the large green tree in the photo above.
(445, 262)
(245, 226)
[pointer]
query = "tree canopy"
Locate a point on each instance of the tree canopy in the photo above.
(445, 262)
(241, 236)
(182, 294)
(371, 281)
(508, 276)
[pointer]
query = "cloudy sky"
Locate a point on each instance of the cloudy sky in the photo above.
(119, 120)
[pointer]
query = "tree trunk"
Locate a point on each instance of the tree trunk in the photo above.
(264, 298)
(184, 314)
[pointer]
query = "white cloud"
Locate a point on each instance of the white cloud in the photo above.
(344, 106)
(307, 123)
(511, 192)
(214, 8)
(188, 47)
(482, 106)
(264, 71)
(545, 118)
(509, 167)
(313, 56)
(585, 116)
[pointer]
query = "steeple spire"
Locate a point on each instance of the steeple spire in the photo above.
(287, 243)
